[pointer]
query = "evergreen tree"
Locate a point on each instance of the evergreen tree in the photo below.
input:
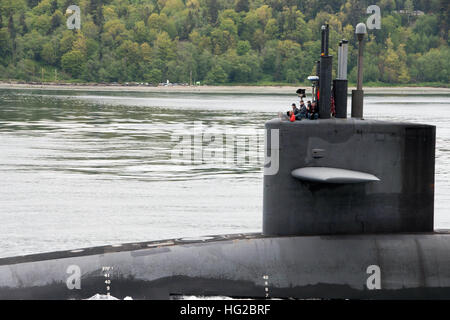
(32, 3)
(242, 5)
(11, 27)
(53, 6)
(56, 20)
(96, 9)
(213, 10)
(409, 8)
(444, 17)
(23, 24)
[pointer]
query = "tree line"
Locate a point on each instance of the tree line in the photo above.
(218, 41)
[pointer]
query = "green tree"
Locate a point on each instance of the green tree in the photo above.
(5, 46)
(67, 40)
(114, 33)
(216, 75)
(409, 8)
(56, 20)
(32, 45)
(141, 33)
(221, 41)
(242, 5)
(213, 10)
(243, 47)
(154, 76)
(11, 27)
(172, 7)
(26, 70)
(42, 23)
(271, 29)
(50, 53)
(165, 48)
(10, 7)
(435, 65)
(394, 65)
(129, 51)
(72, 62)
(22, 23)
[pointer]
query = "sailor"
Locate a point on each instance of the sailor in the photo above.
(290, 115)
(313, 111)
(303, 111)
(294, 111)
(333, 107)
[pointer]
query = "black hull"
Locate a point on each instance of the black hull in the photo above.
(412, 266)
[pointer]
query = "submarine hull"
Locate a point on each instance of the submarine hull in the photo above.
(388, 266)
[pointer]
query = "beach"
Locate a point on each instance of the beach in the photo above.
(211, 89)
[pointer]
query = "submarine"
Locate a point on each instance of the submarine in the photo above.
(348, 208)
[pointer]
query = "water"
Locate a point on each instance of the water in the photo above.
(80, 169)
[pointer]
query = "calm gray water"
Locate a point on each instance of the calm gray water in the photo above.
(80, 169)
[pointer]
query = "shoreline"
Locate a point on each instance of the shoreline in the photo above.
(209, 89)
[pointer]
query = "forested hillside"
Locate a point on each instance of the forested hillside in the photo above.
(218, 41)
